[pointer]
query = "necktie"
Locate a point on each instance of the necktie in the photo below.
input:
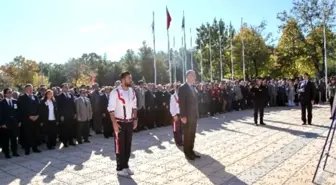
(10, 103)
(84, 101)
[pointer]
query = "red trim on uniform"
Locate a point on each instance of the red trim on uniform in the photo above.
(120, 98)
(177, 101)
(116, 139)
(174, 126)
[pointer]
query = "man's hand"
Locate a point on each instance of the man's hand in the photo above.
(19, 124)
(75, 116)
(116, 127)
(175, 118)
(62, 118)
(41, 124)
(3, 126)
(104, 115)
(32, 118)
(36, 117)
(135, 124)
(148, 108)
(312, 102)
(184, 120)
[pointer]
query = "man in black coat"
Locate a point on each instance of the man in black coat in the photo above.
(67, 112)
(189, 114)
(9, 123)
(107, 123)
(260, 98)
(150, 107)
(307, 93)
(28, 105)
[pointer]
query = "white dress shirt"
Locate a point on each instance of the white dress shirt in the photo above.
(120, 98)
(9, 102)
(51, 116)
(174, 104)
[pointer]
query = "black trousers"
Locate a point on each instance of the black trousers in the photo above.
(258, 110)
(160, 116)
(51, 133)
(141, 119)
(107, 126)
(67, 131)
(189, 131)
(178, 131)
(123, 143)
(306, 107)
(30, 134)
(331, 101)
(83, 130)
(8, 135)
(150, 117)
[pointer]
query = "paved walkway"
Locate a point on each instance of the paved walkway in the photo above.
(234, 152)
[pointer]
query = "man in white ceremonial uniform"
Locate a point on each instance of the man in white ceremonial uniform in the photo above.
(123, 112)
(175, 112)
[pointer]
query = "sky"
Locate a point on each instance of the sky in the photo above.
(54, 31)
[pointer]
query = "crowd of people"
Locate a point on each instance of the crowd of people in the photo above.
(67, 114)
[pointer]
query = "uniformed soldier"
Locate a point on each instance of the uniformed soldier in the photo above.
(123, 111)
(259, 93)
(175, 112)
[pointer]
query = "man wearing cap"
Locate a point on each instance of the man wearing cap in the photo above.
(123, 112)
(175, 112)
(259, 94)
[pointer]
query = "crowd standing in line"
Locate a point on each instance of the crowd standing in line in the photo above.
(66, 114)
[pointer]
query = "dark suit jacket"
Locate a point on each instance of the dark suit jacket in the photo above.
(309, 91)
(9, 116)
(104, 104)
(44, 111)
(188, 103)
(28, 107)
(66, 106)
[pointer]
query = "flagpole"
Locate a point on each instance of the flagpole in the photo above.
(243, 49)
(210, 54)
(185, 45)
(231, 55)
(154, 56)
(182, 60)
(170, 68)
(191, 52)
(325, 54)
(220, 54)
(201, 63)
(175, 79)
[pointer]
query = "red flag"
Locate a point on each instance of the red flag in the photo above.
(169, 19)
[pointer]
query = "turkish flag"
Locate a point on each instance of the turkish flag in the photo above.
(169, 19)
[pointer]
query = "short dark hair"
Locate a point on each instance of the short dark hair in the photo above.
(6, 90)
(28, 85)
(306, 74)
(124, 74)
(64, 84)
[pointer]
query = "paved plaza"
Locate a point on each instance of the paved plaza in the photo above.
(234, 152)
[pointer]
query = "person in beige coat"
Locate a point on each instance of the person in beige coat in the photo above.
(84, 115)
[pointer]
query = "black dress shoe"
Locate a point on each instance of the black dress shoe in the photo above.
(16, 155)
(79, 142)
(190, 158)
(197, 156)
(99, 132)
(87, 141)
(256, 124)
(304, 123)
(7, 156)
(309, 123)
(262, 123)
(72, 144)
(27, 152)
(37, 151)
(66, 145)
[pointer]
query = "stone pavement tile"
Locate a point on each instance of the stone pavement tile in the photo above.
(285, 170)
(259, 170)
(8, 179)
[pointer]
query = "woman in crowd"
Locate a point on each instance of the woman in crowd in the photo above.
(49, 118)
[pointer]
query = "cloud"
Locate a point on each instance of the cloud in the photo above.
(93, 28)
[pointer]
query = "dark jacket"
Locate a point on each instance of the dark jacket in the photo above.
(9, 116)
(188, 102)
(44, 111)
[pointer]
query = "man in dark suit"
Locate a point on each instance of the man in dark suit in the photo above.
(28, 105)
(107, 123)
(9, 123)
(260, 97)
(189, 113)
(67, 112)
(307, 92)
